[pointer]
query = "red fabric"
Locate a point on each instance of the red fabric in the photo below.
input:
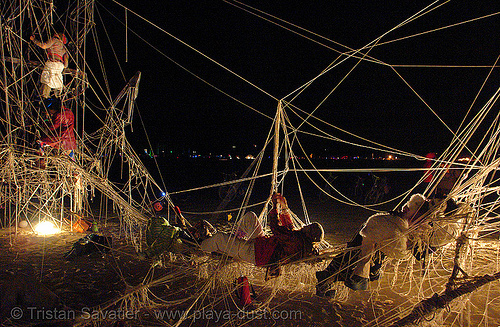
(264, 249)
(243, 291)
(62, 135)
(283, 234)
(428, 164)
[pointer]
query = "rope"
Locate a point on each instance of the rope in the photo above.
(437, 302)
(131, 199)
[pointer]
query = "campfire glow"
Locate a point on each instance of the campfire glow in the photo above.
(46, 228)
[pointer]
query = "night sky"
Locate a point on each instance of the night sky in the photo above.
(180, 111)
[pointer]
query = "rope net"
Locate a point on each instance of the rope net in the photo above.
(107, 178)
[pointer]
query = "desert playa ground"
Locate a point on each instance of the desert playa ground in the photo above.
(39, 287)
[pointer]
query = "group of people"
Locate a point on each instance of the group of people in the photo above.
(58, 127)
(383, 235)
(394, 234)
(387, 234)
(251, 244)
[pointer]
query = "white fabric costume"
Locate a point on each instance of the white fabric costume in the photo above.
(239, 247)
(57, 60)
(386, 232)
(52, 75)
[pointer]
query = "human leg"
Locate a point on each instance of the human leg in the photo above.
(249, 227)
(339, 269)
(362, 267)
(361, 271)
(228, 244)
(45, 91)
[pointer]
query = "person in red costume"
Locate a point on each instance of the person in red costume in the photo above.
(430, 157)
(446, 182)
(60, 132)
(251, 244)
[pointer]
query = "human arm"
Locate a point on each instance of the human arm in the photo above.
(280, 220)
(42, 45)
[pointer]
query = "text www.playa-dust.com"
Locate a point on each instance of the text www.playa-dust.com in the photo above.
(220, 315)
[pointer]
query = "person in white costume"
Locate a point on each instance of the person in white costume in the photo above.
(387, 232)
(57, 60)
(383, 234)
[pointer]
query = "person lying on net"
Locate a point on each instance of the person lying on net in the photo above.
(382, 234)
(166, 233)
(253, 245)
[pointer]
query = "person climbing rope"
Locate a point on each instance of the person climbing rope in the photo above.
(57, 60)
(59, 132)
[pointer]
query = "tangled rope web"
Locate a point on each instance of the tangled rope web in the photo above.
(464, 259)
(439, 290)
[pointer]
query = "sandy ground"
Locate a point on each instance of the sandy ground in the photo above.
(38, 286)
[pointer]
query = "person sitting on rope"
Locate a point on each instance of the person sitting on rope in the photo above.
(252, 245)
(382, 234)
(163, 236)
(57, 60)
(60, 129)
(447, 182)
(439, 229)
